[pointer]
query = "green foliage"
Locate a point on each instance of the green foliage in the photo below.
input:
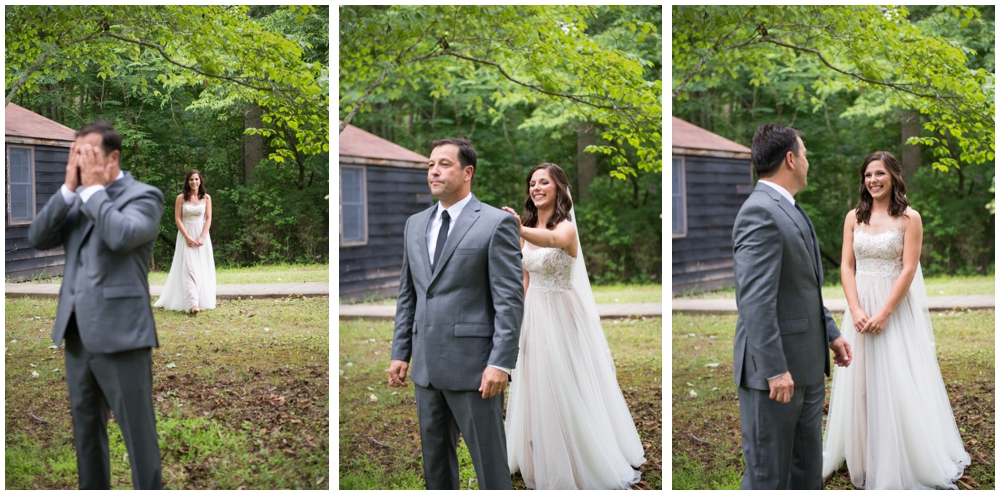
(581, 62)
(513, 128)
(219, 48)
(176, 83)
(620, 229)
(280, 223)
(876, 51)
(748, 77)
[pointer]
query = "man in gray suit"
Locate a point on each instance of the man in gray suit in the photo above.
(458, 317)
(107, 223)
(783, 331)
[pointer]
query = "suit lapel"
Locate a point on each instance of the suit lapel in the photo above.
(424, 260)
(114, 191)
(800, 223)
(463, 223)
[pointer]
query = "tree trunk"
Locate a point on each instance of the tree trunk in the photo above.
(586, 163)
(910, 159)
(253, 146)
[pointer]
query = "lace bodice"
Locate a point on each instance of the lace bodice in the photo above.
(878, 255)
(550, 269)
(192, 213)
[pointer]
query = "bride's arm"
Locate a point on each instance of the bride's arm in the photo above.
(847, 263)
(561, 237)
(912, 242)
(208, 219)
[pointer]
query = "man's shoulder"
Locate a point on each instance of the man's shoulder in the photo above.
(139, 188)
(758, 201)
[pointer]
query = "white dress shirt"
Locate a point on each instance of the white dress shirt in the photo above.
(781, 190)
(434, 226)
(70, 196)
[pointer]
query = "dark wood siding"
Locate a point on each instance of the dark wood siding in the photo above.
(21, 260)
(373, 270)
(716, 189)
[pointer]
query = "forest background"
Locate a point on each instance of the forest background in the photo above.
(239, 93)
(526, 85)
(915, 81)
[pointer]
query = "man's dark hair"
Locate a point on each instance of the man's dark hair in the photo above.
(466, 153)
(771, 143)
(110, 139)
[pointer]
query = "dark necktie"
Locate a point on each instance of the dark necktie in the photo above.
(815, 242)
(442, 237)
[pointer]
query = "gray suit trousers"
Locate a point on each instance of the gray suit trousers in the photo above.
(123, 383)
(782, 443)
(445, 413)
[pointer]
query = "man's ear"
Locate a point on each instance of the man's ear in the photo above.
(114, 156)
(790, 159)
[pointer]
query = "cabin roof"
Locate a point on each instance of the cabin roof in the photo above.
(21, 122)
(355, 142)
(688, 135)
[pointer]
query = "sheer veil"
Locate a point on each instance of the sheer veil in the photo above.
(581, 284)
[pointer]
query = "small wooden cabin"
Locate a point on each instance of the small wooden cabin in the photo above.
(37, 150)
(712, 177)
(381, 185)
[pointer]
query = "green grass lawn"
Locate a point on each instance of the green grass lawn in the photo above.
(936, 286)
(261, 274)
(603, 294)
(707, 451)
(379, 435)
(241, 395)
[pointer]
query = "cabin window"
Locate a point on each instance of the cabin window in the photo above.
(353, 207)
(679, 200)
(21, 184)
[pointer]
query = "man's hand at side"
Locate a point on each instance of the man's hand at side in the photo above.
(841, 352)
(397, 373)
(782, 388)
(494, 382)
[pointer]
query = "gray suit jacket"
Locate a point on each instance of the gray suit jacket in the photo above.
(466, 314)
(782, 325)
(109, 243)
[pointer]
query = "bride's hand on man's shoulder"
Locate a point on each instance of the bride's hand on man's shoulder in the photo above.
(512, 212)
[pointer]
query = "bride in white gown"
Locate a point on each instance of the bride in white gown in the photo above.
(889, 417)
(568, 426)
(190, 285)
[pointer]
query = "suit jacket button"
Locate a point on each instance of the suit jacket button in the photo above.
(430, 296)
(72, 291)
(79, 264)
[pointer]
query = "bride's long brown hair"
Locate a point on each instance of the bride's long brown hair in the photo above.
(897, 202)
(187, 185)
(563, 201)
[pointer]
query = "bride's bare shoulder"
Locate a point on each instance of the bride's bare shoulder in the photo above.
(851, 218)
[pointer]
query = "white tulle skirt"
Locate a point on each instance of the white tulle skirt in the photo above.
(889, 416)
(191, 281)
(568, 426)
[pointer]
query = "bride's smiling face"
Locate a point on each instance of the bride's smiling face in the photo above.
(542, 189)
(194, 182)
(878, 181)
